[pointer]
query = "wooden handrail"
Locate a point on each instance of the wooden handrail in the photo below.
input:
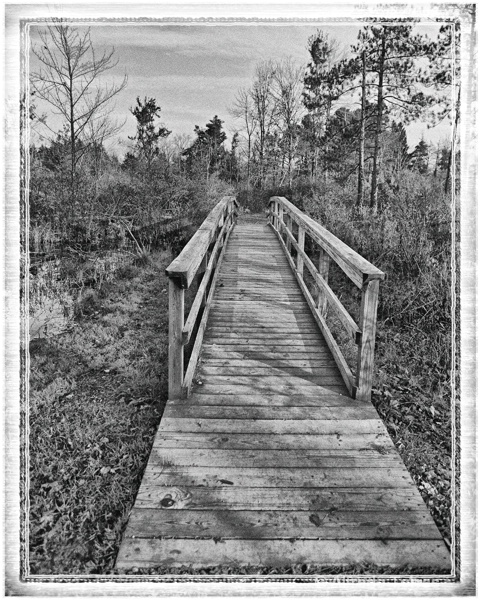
(363, 274)
(355, 266)
(201, 256)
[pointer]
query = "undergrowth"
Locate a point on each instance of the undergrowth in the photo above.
(97, 392)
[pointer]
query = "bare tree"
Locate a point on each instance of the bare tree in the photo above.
(264, 109)
(243, 110)
(288, 96)
(69, 80)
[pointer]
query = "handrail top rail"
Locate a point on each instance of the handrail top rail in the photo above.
(361, 267)
(185, 266)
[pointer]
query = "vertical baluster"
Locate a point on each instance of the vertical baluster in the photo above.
(301, 245)
(288, 226)
(323, 268)
(201, 272)
(280, 219)
(175, 345)
(366, 347)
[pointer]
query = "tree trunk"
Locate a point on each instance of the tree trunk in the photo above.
(361, 148)
(72, 134)
(378, 130)
(454, 135)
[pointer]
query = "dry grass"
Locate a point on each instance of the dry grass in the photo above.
(97, 392)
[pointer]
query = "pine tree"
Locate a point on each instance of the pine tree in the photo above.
(419, 158)
(148, 136)
(392, 68)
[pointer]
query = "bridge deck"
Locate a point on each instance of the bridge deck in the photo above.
(270, 462)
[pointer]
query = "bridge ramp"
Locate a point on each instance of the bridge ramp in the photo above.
(269, 462)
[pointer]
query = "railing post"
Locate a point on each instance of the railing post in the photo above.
(366, 347)
(280, 219)
(201, 271)
(323, 268)
(301, 246)
(288, 226)
(175, 344)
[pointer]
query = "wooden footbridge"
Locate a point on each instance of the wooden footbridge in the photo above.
(269, 452)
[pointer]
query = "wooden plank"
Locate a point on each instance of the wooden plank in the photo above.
(360, 417)
(253, 342)
(270, 426)
(263, 300)
(245, 367)
(253, 298)
(268, 371)
(253, 398)
(236, 359)
(267, 477)
(259, 284)
(317, 377)
(296, 499)
(201, 553)
(313, 391)
(247, 441)
(306, 364)
(275, 382)
(300, 343)
(253, 338)
(266, 352)
(272, 311)
(326, 459)
(256, 524)
(266, 329)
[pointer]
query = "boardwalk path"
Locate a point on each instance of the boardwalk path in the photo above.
(269, 462)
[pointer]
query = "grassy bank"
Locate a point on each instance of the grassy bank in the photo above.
(97, 392)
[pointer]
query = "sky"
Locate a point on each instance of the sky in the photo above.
(194, 71)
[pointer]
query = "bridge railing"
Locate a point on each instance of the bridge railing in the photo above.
(201, 256)
(362, 273)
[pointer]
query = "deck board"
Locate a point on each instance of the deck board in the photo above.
(270, 462)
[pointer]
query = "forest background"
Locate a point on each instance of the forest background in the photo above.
(106, 218)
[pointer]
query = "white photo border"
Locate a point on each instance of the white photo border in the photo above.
(18, 18)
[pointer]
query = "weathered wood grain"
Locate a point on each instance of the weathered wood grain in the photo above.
(245, 397)
(270, 426)
(258, 524)
(247, 441)
(198, 553)
(277, 498)
(175, 342)
(368, 322)
(362, 416)
(326, 459)
(268, 477)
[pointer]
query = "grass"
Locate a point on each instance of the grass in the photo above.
(97, 392)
